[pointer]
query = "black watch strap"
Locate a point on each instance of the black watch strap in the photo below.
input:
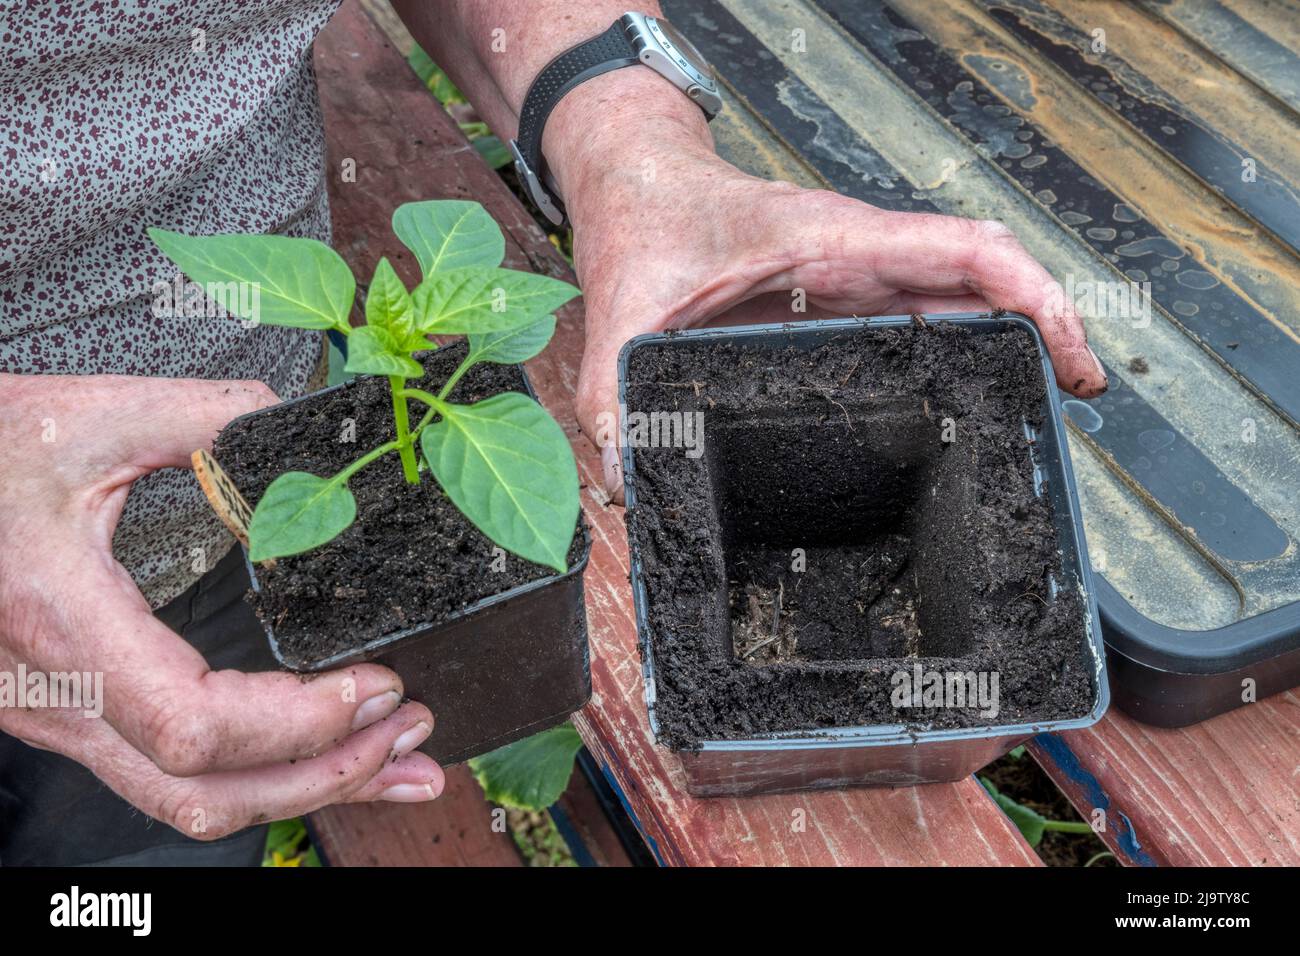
(609, 51)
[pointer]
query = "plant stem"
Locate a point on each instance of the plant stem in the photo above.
(364, 460)
(455, 376)
(404, 444)
(1067, 826)
(433, 401)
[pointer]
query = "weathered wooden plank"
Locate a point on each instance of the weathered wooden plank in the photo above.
(1252, 50)
(1081, 39)
(404, 147)
(454, 830)
(1041, 161)
(1222, 793)
(580, 806)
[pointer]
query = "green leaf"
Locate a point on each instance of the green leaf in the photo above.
(494, 152)
(444, 89)
(513, 345)
(447, 234)
(299, 512)
(485, 300)
(388, 306)
(297, 282)
(372, 350)
(423, 66)
(1030, 823)
(508, 467)
(529, 774)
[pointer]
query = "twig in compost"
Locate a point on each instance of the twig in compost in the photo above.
(776, 615)
(825, 393)
(849, 374)
(691, 384)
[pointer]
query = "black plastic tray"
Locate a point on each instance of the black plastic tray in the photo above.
(1171, 677)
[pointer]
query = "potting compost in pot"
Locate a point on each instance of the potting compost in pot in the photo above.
(410, 558)
(859, 510)
(412, 584)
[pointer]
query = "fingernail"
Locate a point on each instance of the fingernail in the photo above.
(613, 469)
(409, 793)
(1101, 369)
(404, 744)
(376, 709)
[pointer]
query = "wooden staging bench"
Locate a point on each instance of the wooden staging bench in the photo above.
(1222, 792)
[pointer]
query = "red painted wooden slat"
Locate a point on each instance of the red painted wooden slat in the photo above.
(405, 147)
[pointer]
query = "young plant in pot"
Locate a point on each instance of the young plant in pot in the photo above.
(424, 516)
(857, 554)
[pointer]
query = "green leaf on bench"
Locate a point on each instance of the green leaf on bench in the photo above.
(298, 512)
(494, 152)
(273, 280)
(1030, 823)
(485, 300)
(508, 467)
(449, 234)
(529, 774)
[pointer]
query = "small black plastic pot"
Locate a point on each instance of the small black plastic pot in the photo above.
(883, 755)
(494, 672)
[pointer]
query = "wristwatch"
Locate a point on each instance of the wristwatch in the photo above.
(634, 38)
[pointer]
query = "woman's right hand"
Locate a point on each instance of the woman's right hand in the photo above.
(209, 752)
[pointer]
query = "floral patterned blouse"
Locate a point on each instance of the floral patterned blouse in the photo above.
(115, 115)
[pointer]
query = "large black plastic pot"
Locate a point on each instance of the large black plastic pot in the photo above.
(494, 672)
(883, 755)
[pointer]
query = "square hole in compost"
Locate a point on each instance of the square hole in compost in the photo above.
(864, 501)
(826, 545)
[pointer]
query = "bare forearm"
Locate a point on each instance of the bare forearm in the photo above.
(494, 49)
(667, 235)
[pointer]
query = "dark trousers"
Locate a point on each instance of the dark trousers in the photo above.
(54, 812)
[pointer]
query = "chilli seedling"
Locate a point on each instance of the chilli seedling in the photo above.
(503, 461)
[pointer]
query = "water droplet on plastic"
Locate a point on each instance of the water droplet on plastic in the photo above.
(1154, 439)
(1157, 244)
(1082, 414)
(1196, 279)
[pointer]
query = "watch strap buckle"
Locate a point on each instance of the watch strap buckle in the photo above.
(536, 190)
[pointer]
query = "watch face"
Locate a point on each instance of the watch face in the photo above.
(684, 46)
